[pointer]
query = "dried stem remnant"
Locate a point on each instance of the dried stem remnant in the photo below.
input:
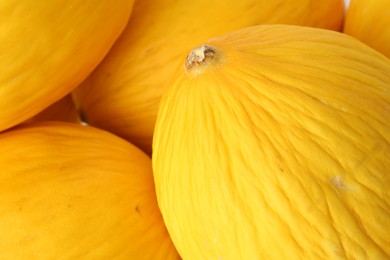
(200, 56)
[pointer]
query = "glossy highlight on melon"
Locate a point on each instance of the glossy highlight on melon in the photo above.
(122, 95)
(273, 142)
(47, 48)
(75, 192)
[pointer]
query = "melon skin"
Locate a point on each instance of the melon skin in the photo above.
(49, 47)
(123, 94)
(76, 192)
(63, 110)
(368, 21)
(277, 148)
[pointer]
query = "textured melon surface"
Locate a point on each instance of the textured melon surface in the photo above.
(75, 192)
(273, 142)
(369, 21)
(123, 94)
(47, 48)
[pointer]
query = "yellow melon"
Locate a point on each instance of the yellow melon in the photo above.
(122, 95)
(273, 142)
(48, 47)
(62, 110)
(74, 192)
(369, 21)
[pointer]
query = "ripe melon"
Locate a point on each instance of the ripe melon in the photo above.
(62, 110)
(369, 21)
(273, 142)
(75, 192)
(47, 48)
(122, 95)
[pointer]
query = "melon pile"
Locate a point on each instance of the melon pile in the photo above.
(163, 129)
